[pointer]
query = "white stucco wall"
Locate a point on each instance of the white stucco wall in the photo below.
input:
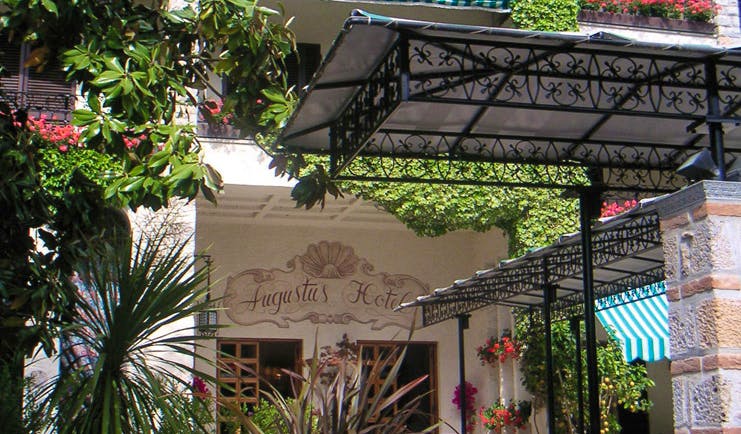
(235, 247)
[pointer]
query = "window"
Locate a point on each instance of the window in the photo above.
(40, 92)
(420, 359)
(240, 359)
(302, 65)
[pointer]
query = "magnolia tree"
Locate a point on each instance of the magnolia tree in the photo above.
(138, 66)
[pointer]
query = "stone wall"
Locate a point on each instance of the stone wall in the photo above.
(701, 229)
(727, 20)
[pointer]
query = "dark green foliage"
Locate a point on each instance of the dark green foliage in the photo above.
(622, 384)
(129, 321)
(546, 15)
(56, 167)
(338, 397)
(268, 418)
(136, 64)
(530, 217)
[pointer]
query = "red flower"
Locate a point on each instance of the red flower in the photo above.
(498, 350)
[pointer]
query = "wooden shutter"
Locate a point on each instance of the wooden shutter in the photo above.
(40, 92)
(300, 68)
(10, 57)
(48, 90)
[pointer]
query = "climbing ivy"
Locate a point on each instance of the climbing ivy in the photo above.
(529, 217)
(621, 384)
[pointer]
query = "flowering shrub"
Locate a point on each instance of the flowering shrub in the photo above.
(63, 136)
(498, 416)
(612, 209)
(200, 389)
(694, 10)
(60, 135)
(470, 395)
(498, 350)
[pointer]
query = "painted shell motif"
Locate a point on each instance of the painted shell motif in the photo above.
(329, 260)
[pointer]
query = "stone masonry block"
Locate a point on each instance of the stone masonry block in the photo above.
(725, 281)
(725, 242)
(689, 288)
(726, 361)
(682, 335)
(718, 323)
(688, 365)
(696, 249)
(733, 419)
(670, 241)
(679, 399)
(722, 208)
(709, 399)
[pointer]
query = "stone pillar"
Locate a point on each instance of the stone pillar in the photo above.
(701, 230)
(727, 20)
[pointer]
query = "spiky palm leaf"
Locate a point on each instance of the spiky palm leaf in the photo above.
(134, 384)
(346, 403)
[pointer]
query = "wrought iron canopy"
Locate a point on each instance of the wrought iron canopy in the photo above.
(628, 260)
(434, 102)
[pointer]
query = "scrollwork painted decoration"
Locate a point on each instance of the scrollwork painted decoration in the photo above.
(328, 283)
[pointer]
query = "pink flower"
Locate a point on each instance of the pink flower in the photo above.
(199, 386)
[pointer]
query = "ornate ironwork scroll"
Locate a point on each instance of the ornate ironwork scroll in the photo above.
(516, 161)
(376, 99)
(491, 73)
(494, 72)
(524, 276)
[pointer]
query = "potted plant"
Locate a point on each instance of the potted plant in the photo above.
(498, 416)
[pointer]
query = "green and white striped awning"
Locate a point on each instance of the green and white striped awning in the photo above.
(489, 4)
(641, 327)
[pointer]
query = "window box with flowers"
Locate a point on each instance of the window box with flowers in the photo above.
(498, 350)
(694, 16)
(498, 416)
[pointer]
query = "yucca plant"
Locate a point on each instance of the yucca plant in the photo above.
(125, 314)
(344, 401)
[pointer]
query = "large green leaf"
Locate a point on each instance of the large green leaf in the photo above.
(128, 313)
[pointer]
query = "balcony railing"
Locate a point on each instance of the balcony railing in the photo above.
(54, 106)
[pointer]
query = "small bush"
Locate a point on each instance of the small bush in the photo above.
(546, 15)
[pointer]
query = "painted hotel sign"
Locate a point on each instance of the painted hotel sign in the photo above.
(327, 284)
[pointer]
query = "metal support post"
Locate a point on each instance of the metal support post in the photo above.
(715, 128)
(548, 296)
(576, 331)
(462, 325)
(586, 205)
(404, 68)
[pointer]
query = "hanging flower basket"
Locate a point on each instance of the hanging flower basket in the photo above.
(499, 416)
(498, 350)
